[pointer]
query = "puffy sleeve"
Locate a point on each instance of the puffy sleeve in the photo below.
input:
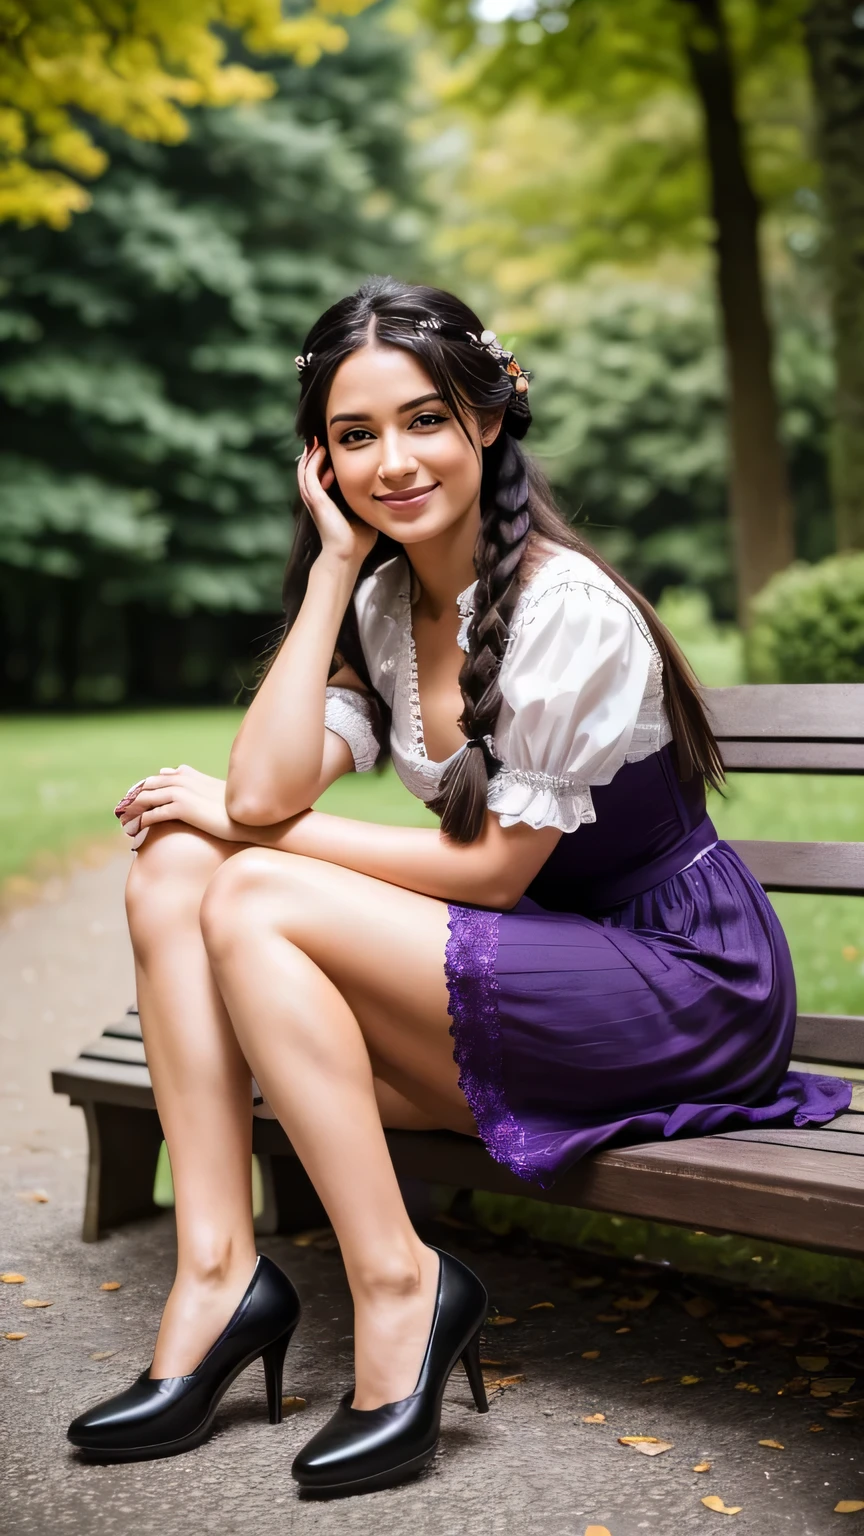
(572, 680)
(353, 716)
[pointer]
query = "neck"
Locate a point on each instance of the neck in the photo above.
(444, 565)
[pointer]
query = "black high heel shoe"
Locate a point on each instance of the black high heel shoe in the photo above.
(359, 1450)
(163, 1417)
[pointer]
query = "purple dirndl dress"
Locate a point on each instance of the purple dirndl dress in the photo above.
(642, 987)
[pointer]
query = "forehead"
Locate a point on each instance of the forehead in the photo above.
(377, 379)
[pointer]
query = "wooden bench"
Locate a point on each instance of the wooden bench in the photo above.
(804, 1187)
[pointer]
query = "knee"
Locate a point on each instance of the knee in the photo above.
(167, 880)
(236, 898)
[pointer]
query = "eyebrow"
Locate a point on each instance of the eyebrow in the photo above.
(409, 405)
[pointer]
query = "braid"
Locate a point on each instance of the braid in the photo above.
(504, 529)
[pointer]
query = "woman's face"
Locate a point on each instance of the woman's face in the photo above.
(402, 461)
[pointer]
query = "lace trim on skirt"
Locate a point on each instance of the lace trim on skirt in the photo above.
(469, 965)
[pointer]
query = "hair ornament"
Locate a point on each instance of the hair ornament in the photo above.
(488, 340)
(303, 362)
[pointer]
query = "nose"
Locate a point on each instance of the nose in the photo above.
(397, 461)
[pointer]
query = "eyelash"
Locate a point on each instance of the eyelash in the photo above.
(424, 416)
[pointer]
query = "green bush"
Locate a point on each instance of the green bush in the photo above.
(808, 624)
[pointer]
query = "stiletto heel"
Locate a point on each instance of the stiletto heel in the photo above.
(474, 1371)
(274, 1360)
(359, 1450)
(163, 1416)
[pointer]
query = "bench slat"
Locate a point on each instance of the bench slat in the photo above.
(828, 757)
(788, 711)
(809, 1138)
(119, 1048)
(825, 1037)
(827, 869)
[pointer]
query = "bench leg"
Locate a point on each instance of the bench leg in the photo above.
(124, 1147)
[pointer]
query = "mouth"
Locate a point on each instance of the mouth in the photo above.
(412, 498)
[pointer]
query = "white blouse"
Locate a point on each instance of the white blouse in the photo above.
(581, 686)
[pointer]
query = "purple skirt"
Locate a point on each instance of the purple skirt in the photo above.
(672, 1015)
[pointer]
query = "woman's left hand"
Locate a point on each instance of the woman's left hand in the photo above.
(181, 794)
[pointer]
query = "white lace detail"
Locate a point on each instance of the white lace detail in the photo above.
(652, 729)
(540, 799)
(351, 714)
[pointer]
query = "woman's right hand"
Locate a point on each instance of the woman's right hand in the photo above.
(350, 542)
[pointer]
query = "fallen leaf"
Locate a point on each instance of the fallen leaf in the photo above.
(734, 1340)
(586, 1282)
(840, 1413)
(608, 1317)
(10, 1278)
(591, 1354)
(712, 1501)
(690, 1381)
(13, 1336)
(293, 1404)
(32, 1302)
(746, 1386)
(502, 1381)
(658, 1448)
(35, 1196)
(702, 1466)
(796, 1385)
(623, 1330)
(314, 1235)
(103, 1354)
(110, 1285)
(499, 1322)
(826, 1383)
(811, 1363)
(649, 1380)
(740, 1364)
(635, 1303)
(773, 1445)
(491, 1362)
(699, 1306)
(540, 1306)
(598, 1530)
(816, 1429)
(638, 1440)
(848, 1506)
(593, 1418)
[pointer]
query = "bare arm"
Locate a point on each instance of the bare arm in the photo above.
(282, 758)
(493, 872)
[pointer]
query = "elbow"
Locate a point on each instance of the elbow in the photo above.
(251, 810)
(501, 896)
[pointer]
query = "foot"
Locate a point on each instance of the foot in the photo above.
(197, 1310)
(392, 1322)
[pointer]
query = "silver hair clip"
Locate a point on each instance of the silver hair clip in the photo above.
(302, 362)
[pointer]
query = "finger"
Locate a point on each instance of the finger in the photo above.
(147, 799)
(171, 811)
(132, 827)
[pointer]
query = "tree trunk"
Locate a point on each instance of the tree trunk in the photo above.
(760, 502)
(835, 41)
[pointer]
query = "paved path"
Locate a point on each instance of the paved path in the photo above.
(531, 1465)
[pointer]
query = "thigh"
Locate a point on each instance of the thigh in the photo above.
(383, 947)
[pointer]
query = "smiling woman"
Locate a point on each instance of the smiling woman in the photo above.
(573, 958)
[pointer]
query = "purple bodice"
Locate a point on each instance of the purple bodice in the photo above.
(649, 826)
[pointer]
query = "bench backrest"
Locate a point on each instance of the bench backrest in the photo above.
(800, 728)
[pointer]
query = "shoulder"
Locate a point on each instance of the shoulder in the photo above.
(567, 588)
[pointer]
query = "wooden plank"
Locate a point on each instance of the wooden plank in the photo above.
(826, 869)
(115, 1048)
(825, 1037)
(788, 711)
(130, 1031)
(105, 1081)
(828, 757)
(825, 1138)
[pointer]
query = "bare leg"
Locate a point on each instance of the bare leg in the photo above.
(303, 1038)
(202, 1087)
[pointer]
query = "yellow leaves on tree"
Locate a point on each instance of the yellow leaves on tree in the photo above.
(135, 65)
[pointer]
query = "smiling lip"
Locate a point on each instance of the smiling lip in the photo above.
(417, 493)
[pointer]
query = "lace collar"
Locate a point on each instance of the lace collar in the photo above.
(464, 602)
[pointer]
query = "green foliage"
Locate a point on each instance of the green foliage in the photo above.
(147, 385)
(808, 624)
(629, 411)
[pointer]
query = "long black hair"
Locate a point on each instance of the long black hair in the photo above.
(518, 515)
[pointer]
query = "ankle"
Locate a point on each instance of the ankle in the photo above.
(213, 1266)
(392, 1275)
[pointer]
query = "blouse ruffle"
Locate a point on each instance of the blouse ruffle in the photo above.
(353, 715)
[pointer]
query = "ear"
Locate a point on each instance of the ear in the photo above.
(490, 425)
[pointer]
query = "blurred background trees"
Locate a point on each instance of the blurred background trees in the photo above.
(657, 203)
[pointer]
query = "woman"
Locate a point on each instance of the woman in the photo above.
(573, 958)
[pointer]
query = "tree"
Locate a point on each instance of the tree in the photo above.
(632, 72)
(135, 67)
(148, 382)
(835, 38)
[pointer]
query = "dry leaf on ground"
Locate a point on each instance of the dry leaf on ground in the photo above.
(699, 1306)
(32, 1302)
(598, 1530)
(490, 1362)
(734, 1340)
(840, 1413)
(103, 1354)
(657, 1448)
(586, 1282)
(623, 1330)
(746, 1386)
(773, 1445)
(608, 1317)
(312, 1235)
(110, 1285)
(293, 1404)
(11, 1278)
(503, 1381)
(499, 1322)
(542, 1306)
(638, 1440)
(815, 1429)
(713, 1501)
(702, 1466)
(811, 1362)
(848, 1506)
(636, 1303)
(690, 1381)
(14, 1336)
(825, 1383)
(649, 1381)
(593, 1418)
(35, 1196)
(591, 1354)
